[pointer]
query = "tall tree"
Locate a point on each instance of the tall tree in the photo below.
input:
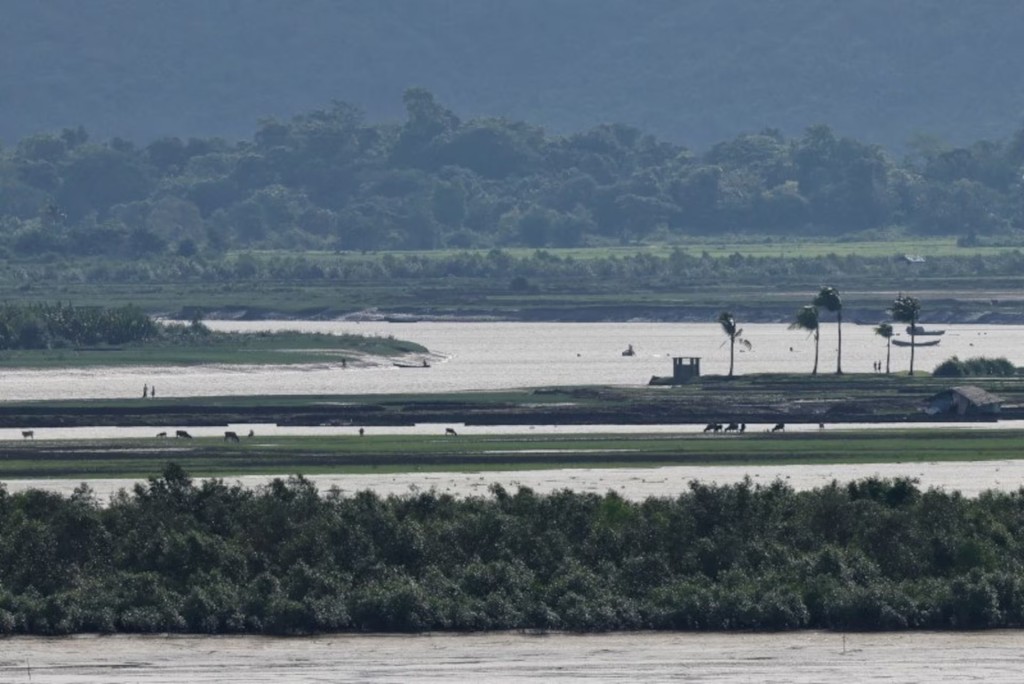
(885, 330)
(735, 334)
(829, 298)
(807, 319)
(907, 309)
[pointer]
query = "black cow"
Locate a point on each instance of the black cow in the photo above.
(779, 427)
(230, 436)
(450, 432)
(182, 434)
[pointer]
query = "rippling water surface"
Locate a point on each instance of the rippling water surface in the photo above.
(633, 657)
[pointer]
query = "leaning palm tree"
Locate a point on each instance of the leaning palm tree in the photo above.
(735, 334)
(907, 309)
(885, 330)
(807, 319)
(828, 298)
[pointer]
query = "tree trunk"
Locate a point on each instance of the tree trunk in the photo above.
(816, 335)
(913, 343)
(839, 358)
(888, 353)
(732, 352)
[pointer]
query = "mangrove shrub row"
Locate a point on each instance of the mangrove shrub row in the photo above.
(173, 555)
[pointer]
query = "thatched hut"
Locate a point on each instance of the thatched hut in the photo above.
(966, 400)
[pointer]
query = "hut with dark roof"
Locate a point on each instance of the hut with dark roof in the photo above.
(966, 400)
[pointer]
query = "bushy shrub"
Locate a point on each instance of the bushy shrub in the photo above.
(977, 366)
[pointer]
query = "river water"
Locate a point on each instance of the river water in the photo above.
(488, 356)
(506, 657)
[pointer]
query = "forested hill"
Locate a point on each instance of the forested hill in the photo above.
(330, 179)
(691, 72)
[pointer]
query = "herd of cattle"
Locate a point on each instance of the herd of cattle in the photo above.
(231, 436)
(742, 427)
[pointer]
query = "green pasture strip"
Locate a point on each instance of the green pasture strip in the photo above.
(321, 455)
(747, 245)
(220, 348)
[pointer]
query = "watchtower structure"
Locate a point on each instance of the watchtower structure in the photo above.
(685, 368)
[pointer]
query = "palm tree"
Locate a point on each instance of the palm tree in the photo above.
(885, 330)
(807, 319)
(907, 309)
(829, 298)
(728, 323)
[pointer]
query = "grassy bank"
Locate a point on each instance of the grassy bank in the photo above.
(219, 348)
(387, 453)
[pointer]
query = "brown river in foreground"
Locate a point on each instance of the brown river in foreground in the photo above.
(995, 656)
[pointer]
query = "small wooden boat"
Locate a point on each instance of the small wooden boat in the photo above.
(907, 343)
(919, 331)
(629, 351)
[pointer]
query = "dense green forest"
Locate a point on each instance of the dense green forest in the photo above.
(176, 556)
(693, 72)
(328, 179)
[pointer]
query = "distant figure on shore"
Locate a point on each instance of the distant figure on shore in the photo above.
(152, 392)
(145, 391)
(252, 433)
(361, 432)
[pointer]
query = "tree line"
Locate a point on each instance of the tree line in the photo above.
(175, 555)
(47, 326)
(328, 179)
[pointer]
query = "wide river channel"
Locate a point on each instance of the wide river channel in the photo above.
(487, 356)
(483, 356)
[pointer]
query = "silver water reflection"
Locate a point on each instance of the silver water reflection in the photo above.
(635, 657)
(481, 356)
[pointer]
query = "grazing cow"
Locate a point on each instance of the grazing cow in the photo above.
(182, 434)
(821, 426)
(230, 436)
(709, 427)
(743, 427)
(779, 427)
(450, 432)
(28, 434)
(732, 427)
(161, 435)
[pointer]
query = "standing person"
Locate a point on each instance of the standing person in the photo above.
(145, 391)
(152, 392)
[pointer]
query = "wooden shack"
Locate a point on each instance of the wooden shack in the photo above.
(965, 400)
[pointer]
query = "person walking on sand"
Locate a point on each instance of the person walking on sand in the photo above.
(145, 391)
(152, 392)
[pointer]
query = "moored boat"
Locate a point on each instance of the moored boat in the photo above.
(918, 331)
(915, 343)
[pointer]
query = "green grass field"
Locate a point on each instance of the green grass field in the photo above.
(221, 348)
(353, 454)
(719, 247)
